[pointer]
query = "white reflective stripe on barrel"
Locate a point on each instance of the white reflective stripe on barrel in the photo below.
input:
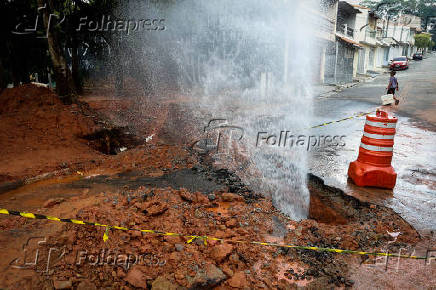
(378, 136)
(376, 148)
(381, 125)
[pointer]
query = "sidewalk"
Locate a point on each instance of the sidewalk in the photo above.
(323, 89)
(326, 90)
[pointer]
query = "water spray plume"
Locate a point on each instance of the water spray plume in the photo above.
(248, 62)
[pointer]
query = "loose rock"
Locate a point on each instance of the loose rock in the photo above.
(86, 285)
(227, 196)
(211, 276)
(239, 280)
(220, 252)
(52, 202)
(161, 283)
(62, 284)
(136, 278)
(179, 247)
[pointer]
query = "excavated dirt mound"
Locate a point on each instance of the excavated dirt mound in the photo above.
(39, 134)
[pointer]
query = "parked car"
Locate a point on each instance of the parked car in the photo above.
(400, 63)
(417, 56)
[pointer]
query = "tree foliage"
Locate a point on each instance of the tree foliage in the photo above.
(393, 8)
(55, 46)
(423, 40)
(20, 53)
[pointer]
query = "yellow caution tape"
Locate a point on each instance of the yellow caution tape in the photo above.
(341, 120)
(106, 235)
(203, 238)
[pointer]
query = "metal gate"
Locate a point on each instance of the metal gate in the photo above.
(330, 63)
(344, 65)
(386, 55)
(361, 64)
(371, 58)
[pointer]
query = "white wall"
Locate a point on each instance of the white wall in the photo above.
(379, 57)
(395, 52)
(361, 21)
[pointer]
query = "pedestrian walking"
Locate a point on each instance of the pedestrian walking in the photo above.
(393, 86)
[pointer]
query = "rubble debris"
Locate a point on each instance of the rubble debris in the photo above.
(170, 188)
(161, 283)
(136, 278)
(219, 253)
(238, 280)
(61, 285)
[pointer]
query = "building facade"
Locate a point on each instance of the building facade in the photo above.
(346, 42)
(355, 41)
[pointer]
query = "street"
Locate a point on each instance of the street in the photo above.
(414, 157)
(417, 91)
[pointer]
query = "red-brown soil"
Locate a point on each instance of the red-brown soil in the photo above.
(39, 134)
(224, 265)
(33, 118)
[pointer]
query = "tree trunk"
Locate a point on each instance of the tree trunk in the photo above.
(75, 66)
(15, 77)
(3, 82)
(65, 87)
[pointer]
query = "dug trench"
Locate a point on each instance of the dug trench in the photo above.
(199, 200)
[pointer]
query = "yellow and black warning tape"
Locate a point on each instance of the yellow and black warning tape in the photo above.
(341, 120)
(192, 238)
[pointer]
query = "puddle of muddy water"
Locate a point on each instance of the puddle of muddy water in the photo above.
(185, 178)
(197, 179)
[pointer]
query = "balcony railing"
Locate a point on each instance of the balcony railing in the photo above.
(345, 30)
(370, 35)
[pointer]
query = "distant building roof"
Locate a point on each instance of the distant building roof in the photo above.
(347, 40)
(360, 6)
(347, 7)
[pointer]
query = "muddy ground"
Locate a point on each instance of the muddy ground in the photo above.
(75, 153)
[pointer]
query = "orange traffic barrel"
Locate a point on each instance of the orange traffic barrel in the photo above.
(373, 166)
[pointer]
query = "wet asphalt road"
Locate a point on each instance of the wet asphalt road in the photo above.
(417, 90)
(414, 196)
